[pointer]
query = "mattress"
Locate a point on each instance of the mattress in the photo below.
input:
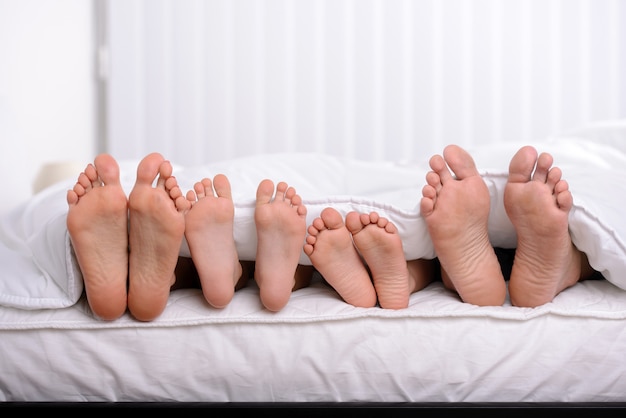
(318, 348)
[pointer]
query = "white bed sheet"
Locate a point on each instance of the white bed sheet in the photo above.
(318, 348)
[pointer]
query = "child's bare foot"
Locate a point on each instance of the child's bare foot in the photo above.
(379, 244)
(209, 233)
(280, 219)
(157, 225)
(538, 202)
(330, 247)
(97, 221)
(456, 211)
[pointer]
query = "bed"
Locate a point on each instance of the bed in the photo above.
(318, 349)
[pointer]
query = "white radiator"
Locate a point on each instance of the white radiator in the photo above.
(203, 81)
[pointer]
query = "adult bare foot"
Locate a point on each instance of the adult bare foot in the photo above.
(537, 201)
(280, 218)
(456, 210)
(379, 244)
(157, 225)
(97, 221)
(209, 233)
(421, 273)
(332, 252)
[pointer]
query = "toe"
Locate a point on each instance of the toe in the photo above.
(222, 186)
(460, 162)
(522, 165)
(332, 218)
(265, 191)
(107, 169)
(148, 168)
(353, 222)
(542, 169)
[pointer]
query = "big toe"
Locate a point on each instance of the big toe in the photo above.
(332, 218)
(148, 168)
(222, 186)
(265, 191)
(107, 168)
(522, 164)
(460, 161)
(353, 222)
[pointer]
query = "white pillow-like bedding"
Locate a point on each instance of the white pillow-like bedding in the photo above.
(39, 270)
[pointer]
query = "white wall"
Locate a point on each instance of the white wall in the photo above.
(204, 80)
(47, 90)
(374, 79)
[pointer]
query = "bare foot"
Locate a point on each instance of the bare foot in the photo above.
(280, 219)
(330, 247)
(421, 273)
(97, 221)
(379, 244)
(456, 210)
(157, 225)
(209, 233)
(538, 202)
